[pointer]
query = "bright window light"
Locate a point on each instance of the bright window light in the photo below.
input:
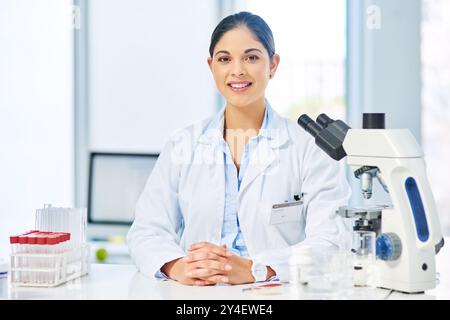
(311, 40)
(436, 102)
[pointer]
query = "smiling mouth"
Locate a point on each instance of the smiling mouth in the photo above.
(239, 86)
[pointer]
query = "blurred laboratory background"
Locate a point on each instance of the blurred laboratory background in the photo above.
(91, 89)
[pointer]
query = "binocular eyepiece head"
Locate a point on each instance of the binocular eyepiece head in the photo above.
(314, 127)
(329, 134)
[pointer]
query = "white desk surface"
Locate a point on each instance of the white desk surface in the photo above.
(108, 281)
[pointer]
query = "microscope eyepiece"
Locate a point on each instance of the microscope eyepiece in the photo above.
(304, 120)
(309, 125)
(323, 120)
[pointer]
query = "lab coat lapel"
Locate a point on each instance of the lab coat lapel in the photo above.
(260, 160)
(267, 151)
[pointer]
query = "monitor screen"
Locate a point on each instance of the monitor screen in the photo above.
(116, 181)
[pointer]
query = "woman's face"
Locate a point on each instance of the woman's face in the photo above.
(241, 67)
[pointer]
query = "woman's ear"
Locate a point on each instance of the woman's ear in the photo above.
(274, 65)
(210, 63)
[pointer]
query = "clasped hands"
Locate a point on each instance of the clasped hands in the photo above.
(209, 264)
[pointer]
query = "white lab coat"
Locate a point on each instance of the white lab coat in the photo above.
(183, 200)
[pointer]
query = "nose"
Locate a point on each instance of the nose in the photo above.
(238, 70)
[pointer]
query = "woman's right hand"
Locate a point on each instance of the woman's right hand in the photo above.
(212, 264)
(177, 270)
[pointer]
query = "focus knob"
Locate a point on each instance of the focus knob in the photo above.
(389, 247)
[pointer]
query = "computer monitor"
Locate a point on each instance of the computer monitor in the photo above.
(116, 180)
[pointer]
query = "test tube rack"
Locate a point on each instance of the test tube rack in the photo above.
(49, 270)
(54, 254)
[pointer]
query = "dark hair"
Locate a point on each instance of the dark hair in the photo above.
(253, 22)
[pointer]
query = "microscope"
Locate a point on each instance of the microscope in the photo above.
(408, 233)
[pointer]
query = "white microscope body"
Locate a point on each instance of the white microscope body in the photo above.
(410, 233)
(413, 217)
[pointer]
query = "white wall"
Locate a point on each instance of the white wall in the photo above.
(147, 71)
(36, 129)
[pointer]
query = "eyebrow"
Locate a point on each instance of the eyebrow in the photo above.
(252, 49)
(246, 51)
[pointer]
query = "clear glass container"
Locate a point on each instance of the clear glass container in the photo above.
(327, 273)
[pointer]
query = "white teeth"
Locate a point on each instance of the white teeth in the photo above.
(240, 85)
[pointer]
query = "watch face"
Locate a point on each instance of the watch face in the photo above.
(260, 272)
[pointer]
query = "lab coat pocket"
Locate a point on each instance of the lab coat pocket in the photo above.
(287, 224)
(286, 212)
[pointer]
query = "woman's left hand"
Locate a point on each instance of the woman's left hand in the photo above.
(240, 272)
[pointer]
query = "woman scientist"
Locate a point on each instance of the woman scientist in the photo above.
(212, 209)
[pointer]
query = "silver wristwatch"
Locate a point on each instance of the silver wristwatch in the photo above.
(259, 271)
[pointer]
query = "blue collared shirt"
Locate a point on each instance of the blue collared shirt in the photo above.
(231, 232)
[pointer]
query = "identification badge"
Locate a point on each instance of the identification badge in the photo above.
(286, 212)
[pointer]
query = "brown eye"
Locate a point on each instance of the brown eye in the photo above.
(252, 58)
(223, 59)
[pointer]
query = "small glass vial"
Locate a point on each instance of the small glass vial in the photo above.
(359, 275)
(364, 256)
(300, 264)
